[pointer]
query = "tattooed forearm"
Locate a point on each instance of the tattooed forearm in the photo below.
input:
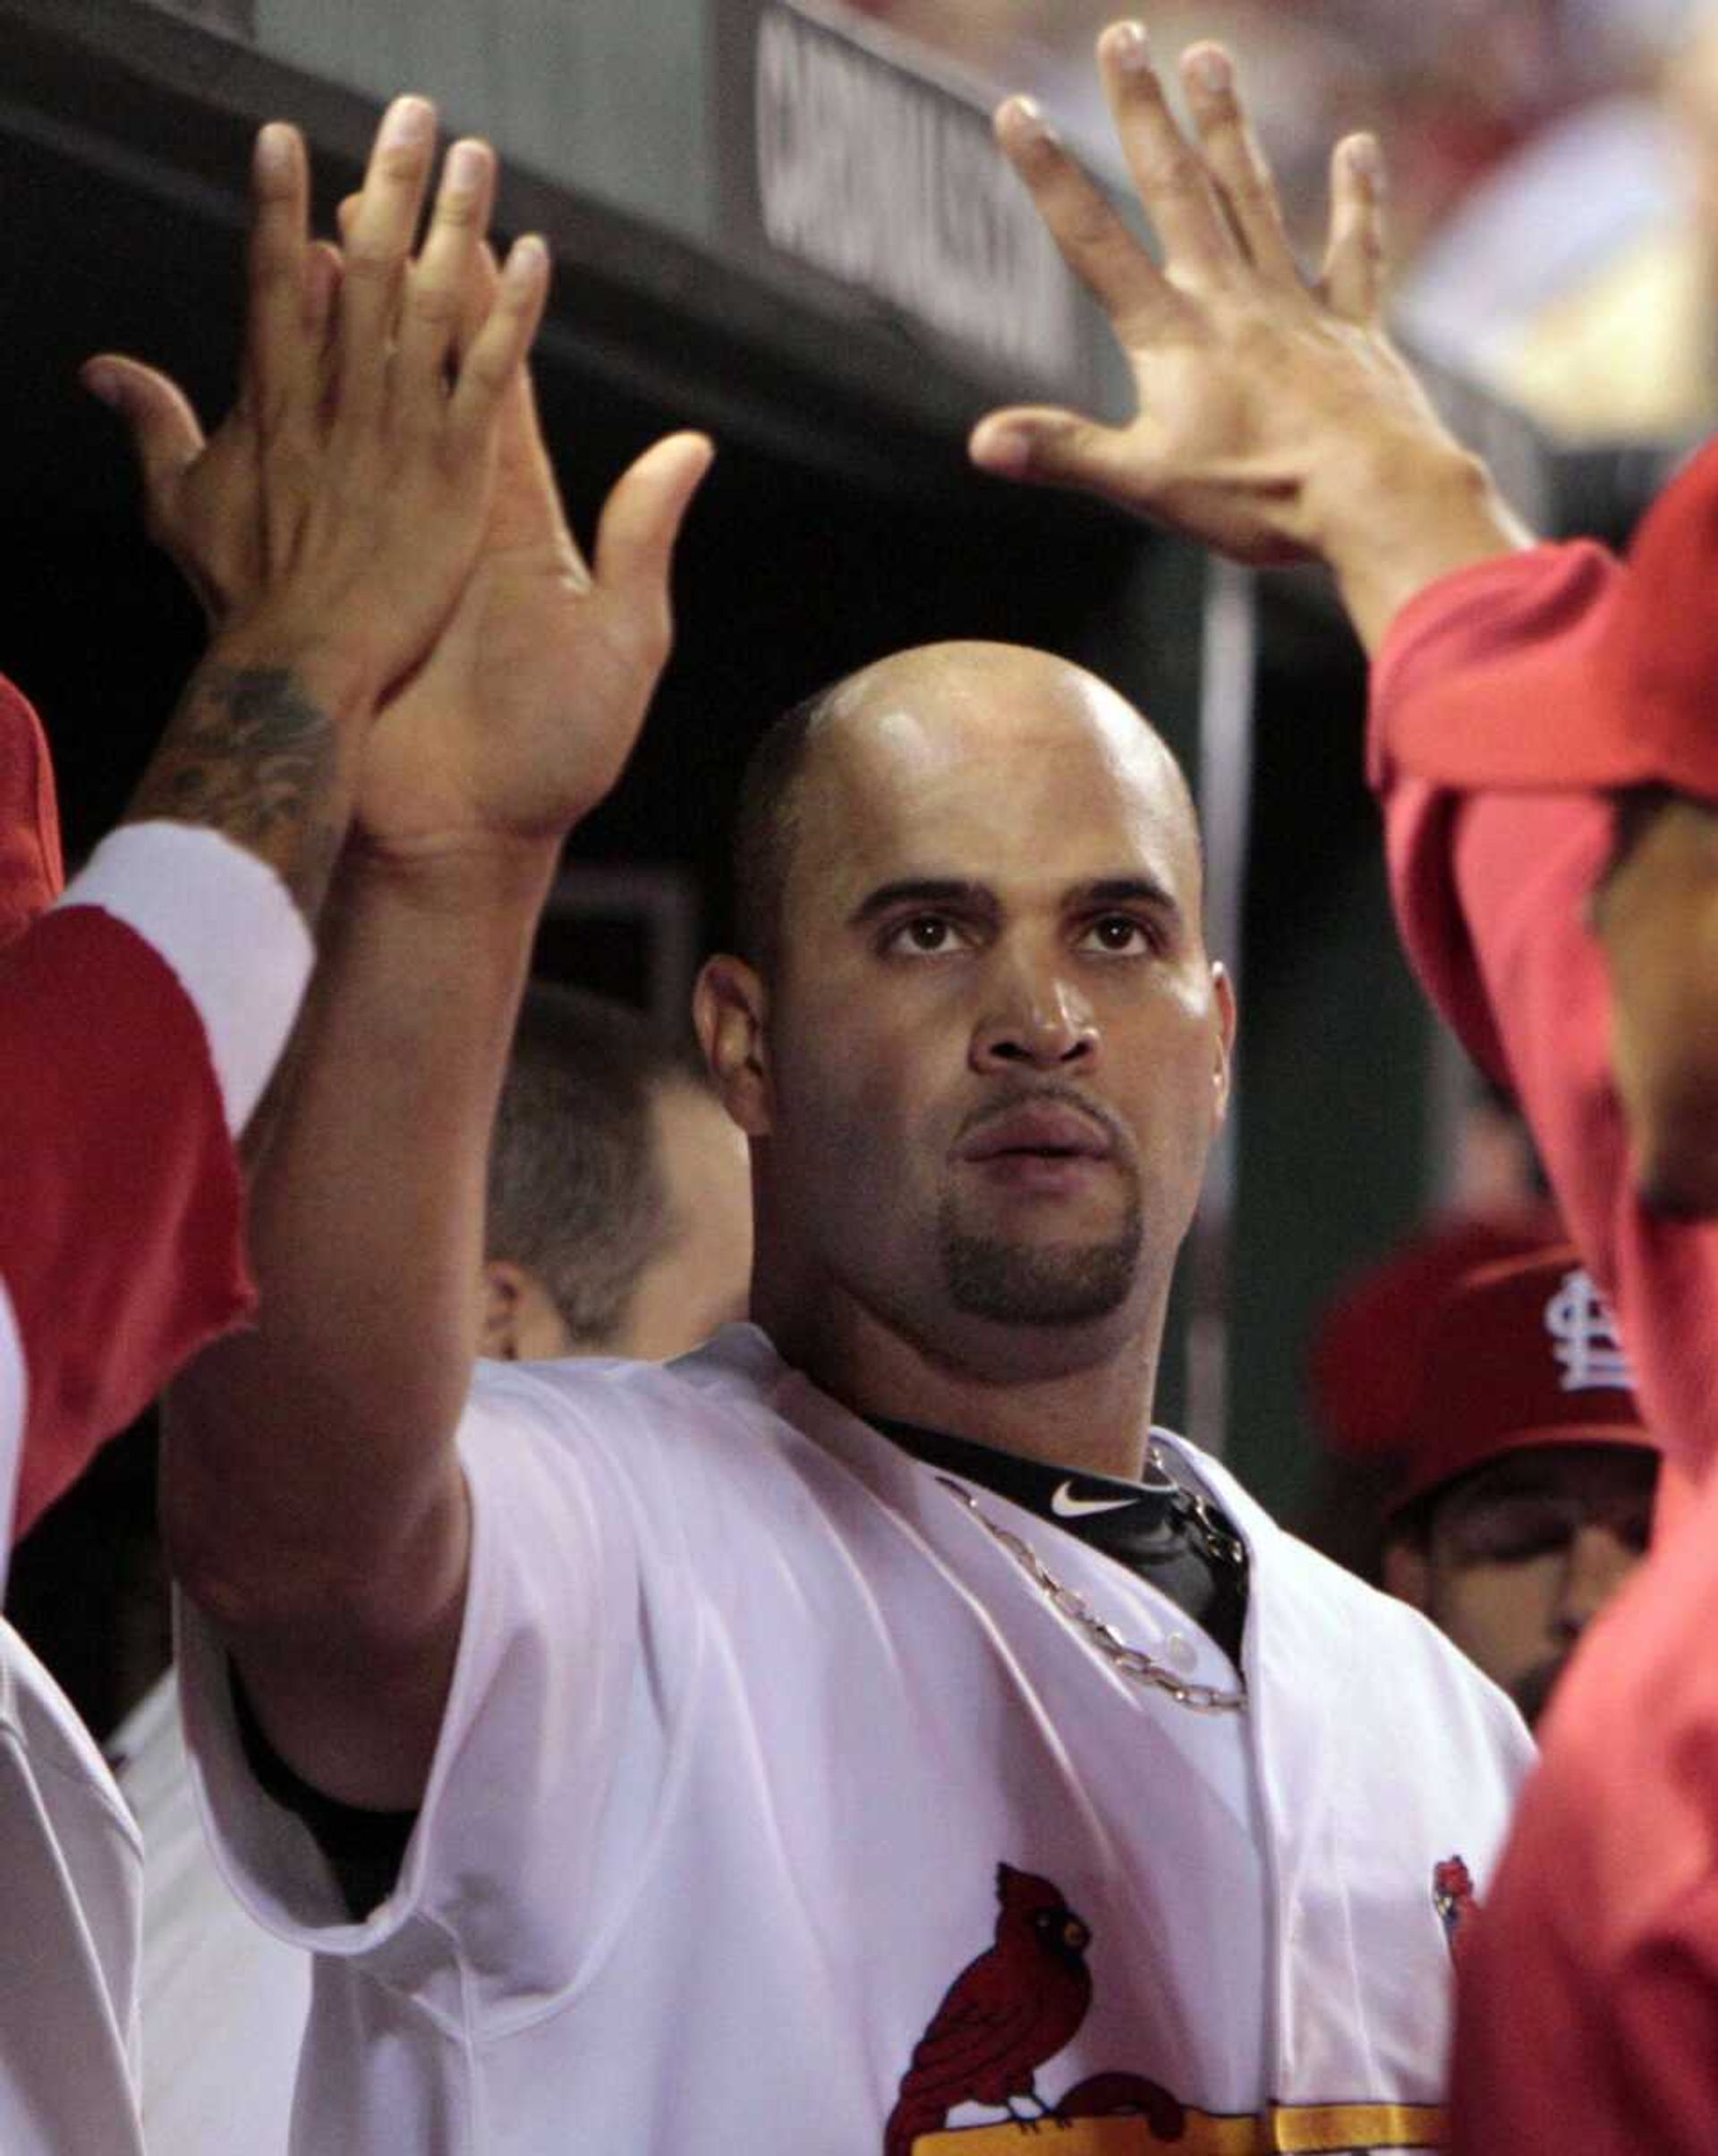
(251, 755)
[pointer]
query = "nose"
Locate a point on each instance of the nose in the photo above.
(1597, 1562)
(1036, 1020)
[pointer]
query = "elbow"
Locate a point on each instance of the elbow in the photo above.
(292, 1566)
(376, 1612)
(249, 1593)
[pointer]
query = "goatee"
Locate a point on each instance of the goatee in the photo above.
(1045, 1283)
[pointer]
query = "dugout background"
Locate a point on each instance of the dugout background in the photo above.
(839, 376)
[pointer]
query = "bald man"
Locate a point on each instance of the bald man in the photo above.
(867, 1734)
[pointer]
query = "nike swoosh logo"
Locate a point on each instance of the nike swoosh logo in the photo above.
(1066, 1506)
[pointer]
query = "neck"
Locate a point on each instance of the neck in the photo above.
(1076, 1397)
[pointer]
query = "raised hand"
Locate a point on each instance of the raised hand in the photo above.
(1275, 419)
(333, 520)
(524, 713)
(349, 490)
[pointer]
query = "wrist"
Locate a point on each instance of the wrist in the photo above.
(1395, 514)
(493, 877)
(330, 673)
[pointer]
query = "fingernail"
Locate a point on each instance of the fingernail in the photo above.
(274, 148)
(467, 163)
(1365, 159)
(1210, 68)
(1126, 43)
(526, 259)
(1026, 117)
(408, 122)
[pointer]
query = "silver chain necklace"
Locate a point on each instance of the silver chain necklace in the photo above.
(1131, 1662)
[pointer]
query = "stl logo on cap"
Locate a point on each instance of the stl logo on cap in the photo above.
(1583, 1336)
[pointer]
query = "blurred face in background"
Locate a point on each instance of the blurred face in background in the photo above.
(1514, 1561)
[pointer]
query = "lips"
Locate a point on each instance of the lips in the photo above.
(1045, 1131)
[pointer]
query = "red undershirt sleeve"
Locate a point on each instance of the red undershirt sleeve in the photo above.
(120, 1240)
(141, 1016)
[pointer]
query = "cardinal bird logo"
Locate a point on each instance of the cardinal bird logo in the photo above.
(1003, 2016)
(1452, 1897)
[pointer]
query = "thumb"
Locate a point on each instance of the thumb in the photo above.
(642, 518)
(166, 435)
(1049, 447)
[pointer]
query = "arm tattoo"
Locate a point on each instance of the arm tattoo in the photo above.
(250, 755)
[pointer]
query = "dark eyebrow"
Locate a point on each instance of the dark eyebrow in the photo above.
(1128, 891)
(925, 891)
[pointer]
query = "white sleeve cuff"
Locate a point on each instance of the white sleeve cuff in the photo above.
(224, 922)
(13, 1402)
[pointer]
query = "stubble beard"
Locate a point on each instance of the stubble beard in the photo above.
(1053, 1284)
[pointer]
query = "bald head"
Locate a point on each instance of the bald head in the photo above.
(929, 725)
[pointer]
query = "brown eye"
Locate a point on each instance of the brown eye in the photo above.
(1119, 935)
(925, 935)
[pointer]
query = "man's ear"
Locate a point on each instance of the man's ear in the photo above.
(1222, 989)
(504, 1297)
(519, 1323)
(728, 1008)
(1408, 1571)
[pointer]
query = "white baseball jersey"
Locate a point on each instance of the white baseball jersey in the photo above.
(222, 2001)
(70, 1883)
(776, 1808)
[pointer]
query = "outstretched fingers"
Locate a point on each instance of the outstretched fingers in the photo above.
(1357, 260)
(438, 283)
(279, 366)
(1245, 190)
(1095, 241)
(1175, 191)
(378, 235)
(493, 359)
(527, 506)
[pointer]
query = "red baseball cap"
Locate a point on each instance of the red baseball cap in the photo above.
(1625, 660)
(1522, 1353)
(32, 874)
(1364, 1359)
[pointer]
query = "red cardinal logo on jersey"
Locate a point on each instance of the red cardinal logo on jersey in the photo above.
(1011, 2011)
(1452, 1897)
(1007, 2012)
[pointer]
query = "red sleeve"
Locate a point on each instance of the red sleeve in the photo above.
(1485, 703)
(1588, 1999)
(120, 1244)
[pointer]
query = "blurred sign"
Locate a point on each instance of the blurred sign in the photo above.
(237, 18)
(837, 154)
